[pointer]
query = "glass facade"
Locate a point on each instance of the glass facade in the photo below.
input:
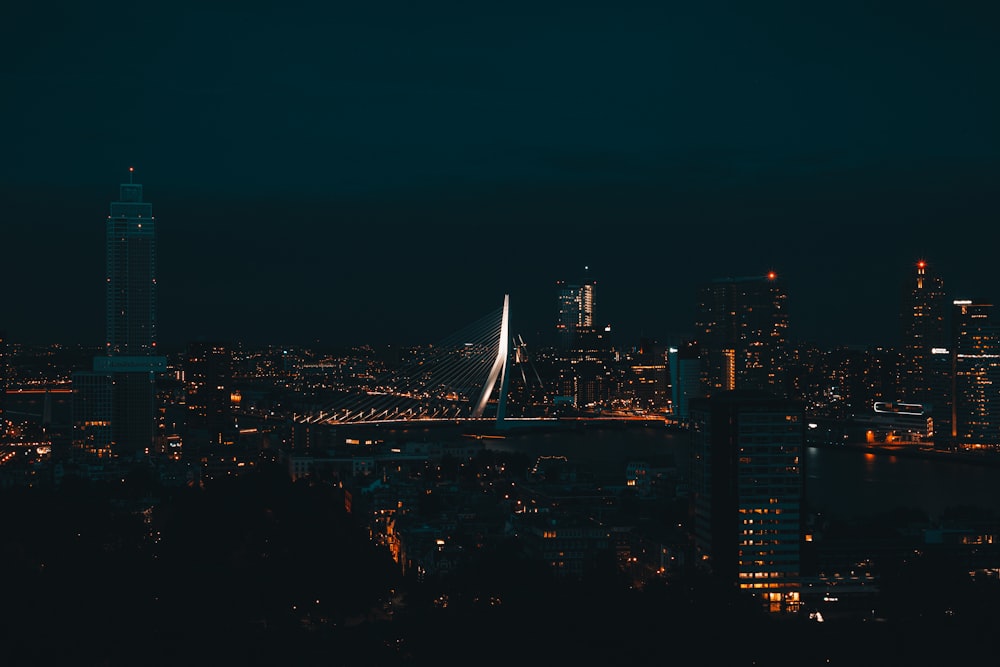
(131, 275)
(575, 311)
(130, 344)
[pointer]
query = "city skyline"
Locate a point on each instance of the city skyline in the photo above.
(350, 176)
(632, 311)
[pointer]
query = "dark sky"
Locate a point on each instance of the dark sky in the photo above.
(385, 172)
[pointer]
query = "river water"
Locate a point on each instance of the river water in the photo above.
(841, 482)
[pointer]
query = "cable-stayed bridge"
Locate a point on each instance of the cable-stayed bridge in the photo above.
(464, 377)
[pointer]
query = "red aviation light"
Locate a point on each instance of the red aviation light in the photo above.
(771, 275)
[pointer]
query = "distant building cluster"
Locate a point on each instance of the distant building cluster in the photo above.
(748, 395)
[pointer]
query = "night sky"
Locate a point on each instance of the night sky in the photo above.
(385, 172)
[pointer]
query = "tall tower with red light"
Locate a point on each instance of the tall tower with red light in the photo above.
(925, 355)
(742, 333)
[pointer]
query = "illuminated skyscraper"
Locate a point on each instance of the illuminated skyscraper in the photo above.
(747, 491)
(975, 375)
(925, 359)
(130, 363)
(742, 332)
(575, 311)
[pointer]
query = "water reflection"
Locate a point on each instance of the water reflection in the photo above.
(847, 482)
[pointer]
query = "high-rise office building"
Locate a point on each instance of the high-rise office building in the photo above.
(586, 350)
(742, 331)
(208, 372)
(130, 363)
(924, 356)
(975, 375)
(747, 489)
(575, 314)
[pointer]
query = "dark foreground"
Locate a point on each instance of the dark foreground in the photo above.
(260, 571)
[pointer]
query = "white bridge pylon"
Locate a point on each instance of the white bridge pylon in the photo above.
(454, 379)
(499, 368)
